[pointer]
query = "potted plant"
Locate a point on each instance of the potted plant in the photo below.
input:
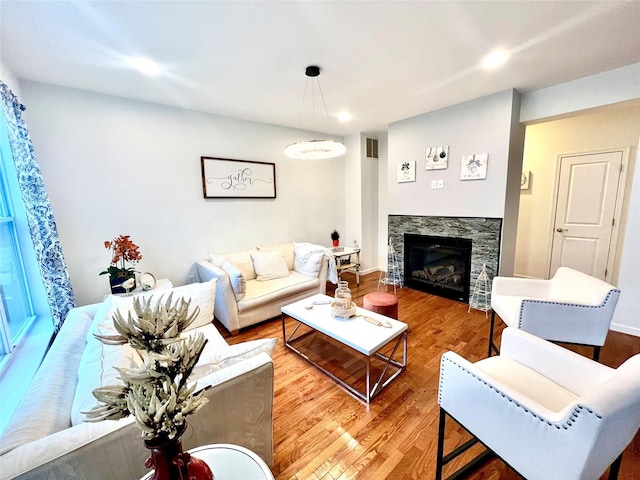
(335, 236)
(122, 279)
(156, 390)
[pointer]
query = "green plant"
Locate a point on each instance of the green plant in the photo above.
(156, 392)
(335, 235)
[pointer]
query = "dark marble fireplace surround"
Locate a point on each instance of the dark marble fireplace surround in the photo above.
(484, 234)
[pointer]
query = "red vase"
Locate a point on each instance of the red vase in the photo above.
(336, 243)
(171, 463)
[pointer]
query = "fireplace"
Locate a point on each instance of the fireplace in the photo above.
(438, 265)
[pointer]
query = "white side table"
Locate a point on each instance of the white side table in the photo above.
(230, 462)
(162, 285)
(344, 261)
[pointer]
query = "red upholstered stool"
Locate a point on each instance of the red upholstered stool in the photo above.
(382, 303)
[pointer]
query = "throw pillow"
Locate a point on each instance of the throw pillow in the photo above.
(269, 265)
(242, 259)
(96, 370)
(286, 248)
(236, 277)
(202, 295)
(219, 358)
(312, 264)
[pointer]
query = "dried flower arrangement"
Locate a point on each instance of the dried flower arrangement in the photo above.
(155, 392)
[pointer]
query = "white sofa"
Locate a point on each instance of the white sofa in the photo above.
(48, 437)
(253, 284)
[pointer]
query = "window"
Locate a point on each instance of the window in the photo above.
(16, 309)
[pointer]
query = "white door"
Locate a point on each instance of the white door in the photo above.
(585, 208)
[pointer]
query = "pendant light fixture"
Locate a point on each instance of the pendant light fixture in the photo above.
(314, 149)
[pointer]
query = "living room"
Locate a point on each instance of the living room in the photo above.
(115, 165)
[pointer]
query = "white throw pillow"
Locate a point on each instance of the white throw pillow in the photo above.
(269, 265)
(236, 277)
(103, 320)
(286, 248)
(96, 370)
(312, 266)
(202, 295)
(242, 259)
(216, 359)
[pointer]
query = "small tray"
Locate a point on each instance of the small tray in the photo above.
(341, 312)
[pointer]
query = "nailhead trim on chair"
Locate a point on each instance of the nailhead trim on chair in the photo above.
(573, 305)
(574, 416)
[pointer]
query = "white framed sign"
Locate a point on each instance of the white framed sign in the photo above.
(227, 178)
(406, 171)
(436, 158)
(474, 167)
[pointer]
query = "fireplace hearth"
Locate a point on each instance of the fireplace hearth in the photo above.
(438, 265)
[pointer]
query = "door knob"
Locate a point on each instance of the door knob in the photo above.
(560, 230)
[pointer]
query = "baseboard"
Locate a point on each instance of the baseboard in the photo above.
(616, 327)
(369, 270)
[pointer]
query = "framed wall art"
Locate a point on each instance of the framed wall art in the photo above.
(406, 171)
(227, 178)
(436, 158)
(474, 167)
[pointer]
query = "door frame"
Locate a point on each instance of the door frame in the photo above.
(612, 259)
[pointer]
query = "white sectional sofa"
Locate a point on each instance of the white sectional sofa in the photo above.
(253, 284)
(48, 438)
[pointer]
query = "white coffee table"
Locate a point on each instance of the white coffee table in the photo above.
(230, 462)
(356, 333)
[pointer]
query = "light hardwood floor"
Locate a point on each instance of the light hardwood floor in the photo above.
(322, 432)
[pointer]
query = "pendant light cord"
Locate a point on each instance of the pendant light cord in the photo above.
(313, 101)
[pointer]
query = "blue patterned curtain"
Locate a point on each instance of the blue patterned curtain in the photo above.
(42, 225)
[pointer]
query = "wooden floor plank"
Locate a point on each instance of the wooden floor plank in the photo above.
(321, 432)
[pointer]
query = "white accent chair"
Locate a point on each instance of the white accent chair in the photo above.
(572, 307)
(546, 411)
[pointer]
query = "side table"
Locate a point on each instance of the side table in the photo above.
(162, 285)
(230, 462)
(344, 262)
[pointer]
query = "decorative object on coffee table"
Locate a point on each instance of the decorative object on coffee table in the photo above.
(335, 237)
(156, 392)
(123, 250)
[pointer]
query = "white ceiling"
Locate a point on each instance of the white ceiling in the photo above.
(381, 61)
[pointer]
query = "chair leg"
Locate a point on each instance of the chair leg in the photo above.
(492, 346)
(596, 354)
(615, 468)
(440, 458)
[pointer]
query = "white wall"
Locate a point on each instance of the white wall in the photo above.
(626, 318)
(383, 201)
(361, 202)
(607, 88)
(115, 166)
(483, 125)
(478, 126)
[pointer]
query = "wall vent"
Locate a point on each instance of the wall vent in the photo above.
(372, 148)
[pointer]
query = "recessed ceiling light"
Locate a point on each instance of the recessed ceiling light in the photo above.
(495, 59)
(145, 65)
(344, 117)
